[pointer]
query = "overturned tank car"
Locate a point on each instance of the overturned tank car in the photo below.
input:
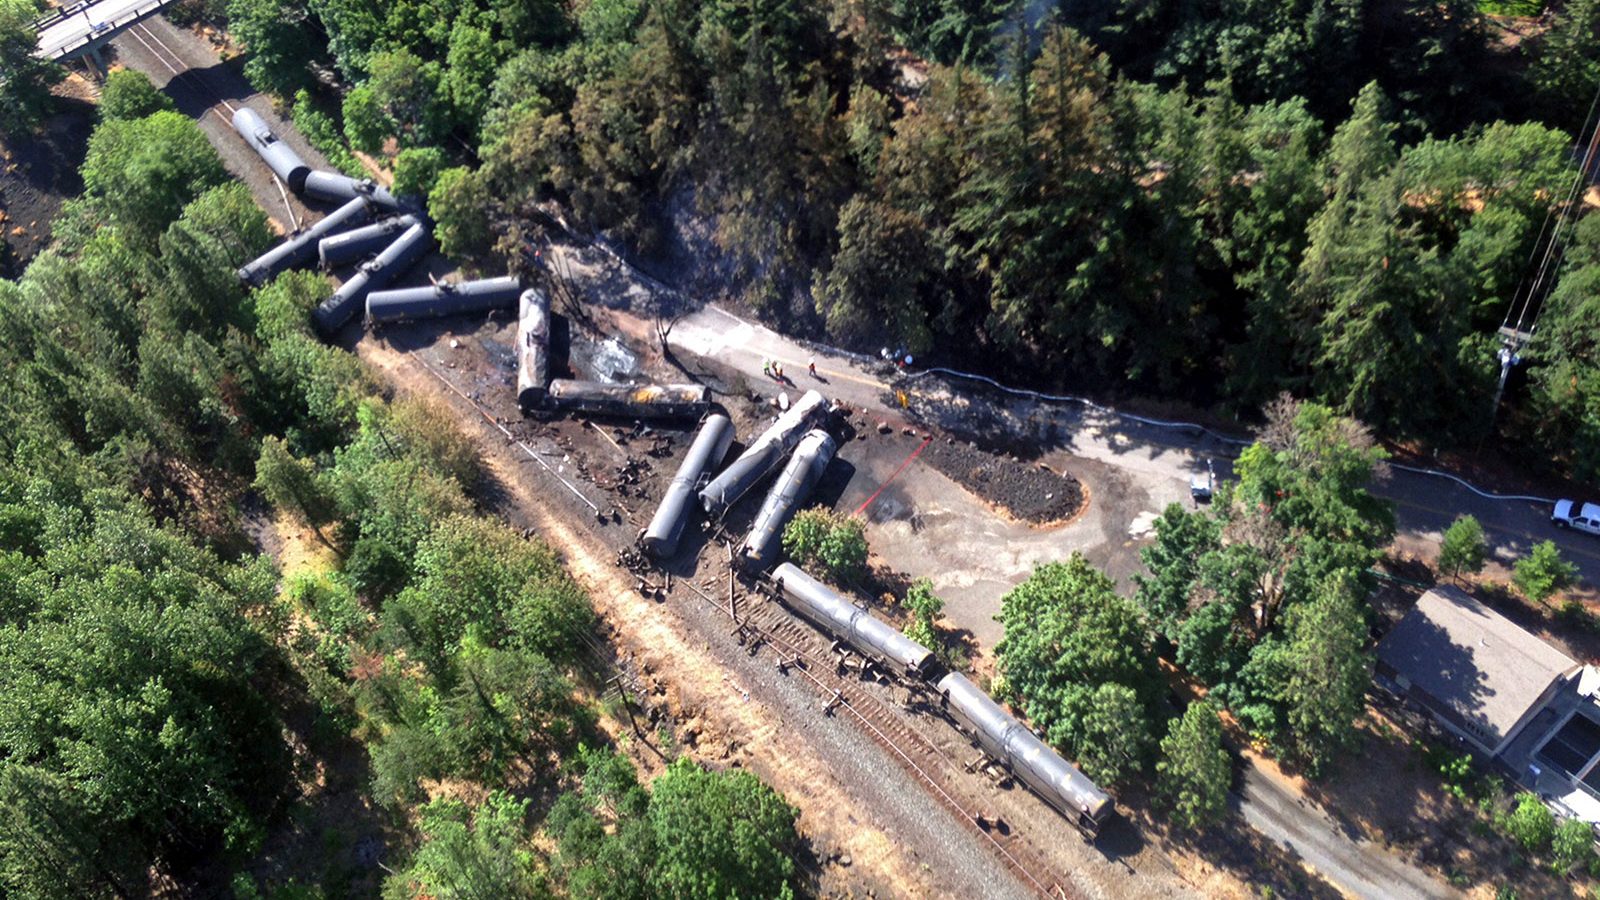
(636, 401)
(763, 454)
(533, 350)
(660, 537)
(811, 457)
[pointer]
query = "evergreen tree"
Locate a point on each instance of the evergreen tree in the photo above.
(1193, 773)
(1330, 671)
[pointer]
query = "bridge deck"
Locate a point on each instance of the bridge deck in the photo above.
(73, 30)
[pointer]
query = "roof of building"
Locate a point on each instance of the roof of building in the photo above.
(1470, 658)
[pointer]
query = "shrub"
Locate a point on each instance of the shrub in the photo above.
(1543, 572)
(837, 542)
(324, 134)
(1573, 844)
(1530, 823)
(128, 94)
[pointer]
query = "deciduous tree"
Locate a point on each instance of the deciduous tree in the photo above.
(1543, 572)
(1463, 549)
(1073, 650)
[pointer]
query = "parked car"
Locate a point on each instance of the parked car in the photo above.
(1572, 514)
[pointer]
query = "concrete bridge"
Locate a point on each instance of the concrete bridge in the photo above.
(79, 30)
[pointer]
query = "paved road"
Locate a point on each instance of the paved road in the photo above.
(94, 20)
(1358, 867)
(1425, 504)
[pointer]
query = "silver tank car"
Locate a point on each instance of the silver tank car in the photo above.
(1029, 759)
(634, 401)
(835, 615)
(280, 157)
(533, 350)
(392, 262)
(660, 538)
(359, 243)
(298, 250)
(339, 188)
(811, 457)
(763, 455)
(437, 300)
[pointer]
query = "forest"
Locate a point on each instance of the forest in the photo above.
(182, 700)
(1205, 202)
(1212, 203)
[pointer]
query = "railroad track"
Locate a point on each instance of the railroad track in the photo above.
(161, 52)
(800, 648)
(803, 649)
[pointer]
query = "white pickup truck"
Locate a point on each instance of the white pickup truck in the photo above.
(1581, 516)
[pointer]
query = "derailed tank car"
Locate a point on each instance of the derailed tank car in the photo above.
(533, 350)
(825, 608)
(637, 401)
(763, 454)
(660, 537)
(811, 457)
(359, 243)
(339, 188)
(434, 301)
(298, 250)
(1030, 760)
(395, 259)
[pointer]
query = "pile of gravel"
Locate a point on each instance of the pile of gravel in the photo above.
(1028, 491)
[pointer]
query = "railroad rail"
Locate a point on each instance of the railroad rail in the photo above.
(169, 58)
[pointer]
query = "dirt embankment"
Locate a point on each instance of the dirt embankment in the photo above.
(38, 173)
